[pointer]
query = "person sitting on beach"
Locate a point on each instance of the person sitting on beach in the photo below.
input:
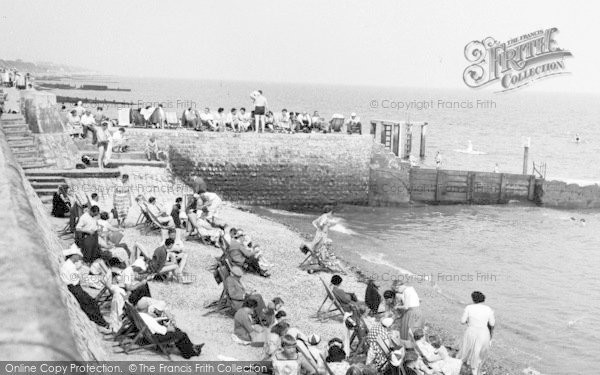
(413, 364)
(231, 120)
(389, 299)
(244, 329)
(87, 125)
(318, 122)
(336, 360)
(168, 333)
(273, 340)
(219, 119)
(372, 297)
(109, 239)
(159, 214)
(119, 142)
(346, 299)
(61, 204)
(207, 120)
(282, 121)
(243, 119)
(244, 256)
(69, 274)
(353, 124)
(287, 360)
(270, 121)
(237, 293)
(295, 124)
(74, 123)
(177, 253)
(152, 150)
(162, 263)
(438, 358)
(273, 307)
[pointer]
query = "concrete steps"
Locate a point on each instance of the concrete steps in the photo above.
(118, 155)
(21, 142)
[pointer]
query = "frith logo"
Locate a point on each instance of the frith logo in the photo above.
(515, 63)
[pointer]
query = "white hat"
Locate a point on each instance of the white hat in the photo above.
(387, 322)
(139, 263)
(73, 250)
(353, 114)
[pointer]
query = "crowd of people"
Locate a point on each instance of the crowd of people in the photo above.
(385, 333)
(11, 77)
(257, 118)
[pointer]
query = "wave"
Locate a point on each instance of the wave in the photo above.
(341, 228)
(286, 213)
(471, 152)
(575, 181)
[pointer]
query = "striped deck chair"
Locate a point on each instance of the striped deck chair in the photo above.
(143, 339)
(336, 124)
(222, 305)
(334, 305)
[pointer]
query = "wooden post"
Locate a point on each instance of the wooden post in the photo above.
(502, 188)
(526, 155)
(423, 139)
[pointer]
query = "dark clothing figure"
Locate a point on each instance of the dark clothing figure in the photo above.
(158, 259)
(181, 340)
(88, 243)
(88, 305)
(138, 293)
(60, 206)
(372, 297)
(175, 215)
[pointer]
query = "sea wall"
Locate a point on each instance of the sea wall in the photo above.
(288, 171)
(564, 195)
(41, 320)
(389, 176)
(58, 150)
(40, 111)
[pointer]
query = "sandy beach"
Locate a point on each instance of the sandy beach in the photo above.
(302, 292)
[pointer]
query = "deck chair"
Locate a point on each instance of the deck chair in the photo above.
(123, 116)
(310, 256)
(172, 119)
(143, 339)
(222, 305)
(334, 304)
(337, 124)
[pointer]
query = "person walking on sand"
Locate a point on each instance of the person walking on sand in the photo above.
(476, 341)
(260, 109)
(438, 160)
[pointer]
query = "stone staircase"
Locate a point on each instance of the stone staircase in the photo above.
(21, 142)
(45, 182)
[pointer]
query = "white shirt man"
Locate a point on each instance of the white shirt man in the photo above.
(260, 101)
(88, 119)
(409, 297)
(243, 119)
(87, 223)
(79, 108)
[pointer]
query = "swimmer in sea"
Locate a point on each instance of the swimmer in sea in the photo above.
(577, 138)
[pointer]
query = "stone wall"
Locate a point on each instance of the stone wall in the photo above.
(563, 195)
(41, 320)
(289, 171)
(58, 150)
(388, 182)
(41, 114)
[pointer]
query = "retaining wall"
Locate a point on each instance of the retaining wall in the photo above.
(41, 320)
(564, 195)
(290, 171)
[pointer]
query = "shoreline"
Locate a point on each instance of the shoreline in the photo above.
(492, 366)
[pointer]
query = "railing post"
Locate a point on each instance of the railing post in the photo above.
(526, 155)
(423, 140)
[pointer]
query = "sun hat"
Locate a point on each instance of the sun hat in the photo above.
(314, 339)
(139, 263)
(387, 322)
(72, 250)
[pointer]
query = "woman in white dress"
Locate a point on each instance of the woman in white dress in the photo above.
(476, 340)
(322, 224)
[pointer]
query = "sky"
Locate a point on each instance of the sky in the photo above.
(382, 43)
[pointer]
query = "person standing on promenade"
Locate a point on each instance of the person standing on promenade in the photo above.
(260, 109)
(480, 322)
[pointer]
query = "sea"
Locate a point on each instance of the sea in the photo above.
(537, 266)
